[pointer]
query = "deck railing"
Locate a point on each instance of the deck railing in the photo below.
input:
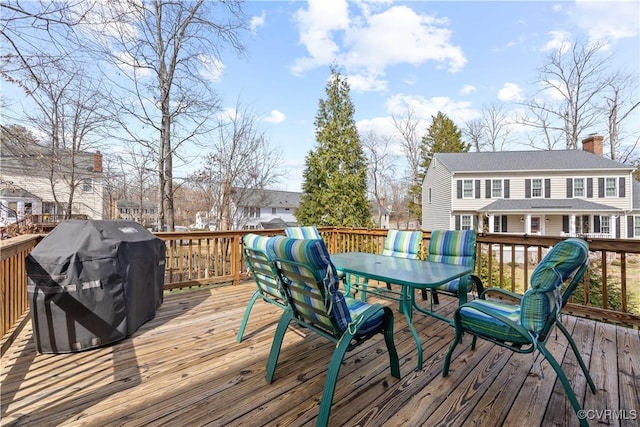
(203, 258)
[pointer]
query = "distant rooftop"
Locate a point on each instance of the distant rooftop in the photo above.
(526, 161)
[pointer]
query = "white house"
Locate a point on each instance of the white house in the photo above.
(30, 176)
(558, 192)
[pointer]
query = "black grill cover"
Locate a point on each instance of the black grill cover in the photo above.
(91, 283)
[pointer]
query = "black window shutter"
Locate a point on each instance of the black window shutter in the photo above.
(621, 190)
(618, 227)
(596, 223)
(601, 187)
(504, 223)
(565, 223)
(477, 188)
(459, 189)
(475, 221)
(630, 226)
(506, 188)
(457, 222)
(527, 188)
(590, 187)
(569, 188)
(547, 188)
(487, 188)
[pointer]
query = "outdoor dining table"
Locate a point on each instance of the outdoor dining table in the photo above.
(410, 274)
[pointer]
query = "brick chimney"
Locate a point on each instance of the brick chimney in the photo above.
(97, 161)
(593, 144)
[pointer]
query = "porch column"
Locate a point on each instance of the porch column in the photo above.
(572, 225)
(491, 230)
(527, 224)
(612, 226)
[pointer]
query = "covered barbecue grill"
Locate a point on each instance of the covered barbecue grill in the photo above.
(92, 283)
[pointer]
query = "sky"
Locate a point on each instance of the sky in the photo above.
(449, 56)
(455, 57)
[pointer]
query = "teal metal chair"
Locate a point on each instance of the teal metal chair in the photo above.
(525, 327)
(454, 247)
(258, 256)
(310, 282)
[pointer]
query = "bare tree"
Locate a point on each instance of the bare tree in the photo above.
(240, 162)
(474, 131)
(622, 100)
(381, 169)
(574, 74)
(165, 49)
(411, 140)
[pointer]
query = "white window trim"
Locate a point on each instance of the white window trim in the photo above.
(615, 182)
(83, 184)
(636, 226)
(463, 223)
(541, 196)
(605, 229)
(584, 187)
(501, 189)
(472, 196)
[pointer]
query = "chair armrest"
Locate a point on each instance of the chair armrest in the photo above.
(503, 293)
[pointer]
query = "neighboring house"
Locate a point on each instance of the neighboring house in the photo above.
(28, 181)
(263, 209)
(558, 193)
(380, 215)
(130, 210)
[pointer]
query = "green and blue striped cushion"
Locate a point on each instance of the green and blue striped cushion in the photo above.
(485, 325)
(266, 283)
(311, 305)
(403, 244)
(453, 247)
(306, 232)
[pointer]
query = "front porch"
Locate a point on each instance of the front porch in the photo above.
(184, 367)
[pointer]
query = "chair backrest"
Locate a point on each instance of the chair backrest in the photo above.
(258, 253)
(453, 247)
(306, 232)
(310, 281)
(403, 244)
(543, 301)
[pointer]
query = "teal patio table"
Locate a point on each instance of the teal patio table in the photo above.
(410, 274)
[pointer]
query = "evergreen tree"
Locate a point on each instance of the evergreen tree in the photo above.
(443, 136)
(335, 176)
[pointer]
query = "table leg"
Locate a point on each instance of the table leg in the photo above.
(406, 308)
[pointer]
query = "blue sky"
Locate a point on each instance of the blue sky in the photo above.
(449, 56)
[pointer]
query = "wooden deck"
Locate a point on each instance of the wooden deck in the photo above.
(184, 367)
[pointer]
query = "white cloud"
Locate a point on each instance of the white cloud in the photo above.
(275, 117)
(257, 22)
(212, 68)
(467, 89)
(130, 65)
(559, 40)
(366, 44)
(607, 21)
(511, 92)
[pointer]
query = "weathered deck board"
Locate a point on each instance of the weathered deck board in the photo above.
(184, 367)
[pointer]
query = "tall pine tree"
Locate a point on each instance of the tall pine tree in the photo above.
(335, 176)
(443, 136)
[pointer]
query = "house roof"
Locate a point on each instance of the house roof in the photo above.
(526, 161)
(546, 205)
(16, 192)
(266, 198)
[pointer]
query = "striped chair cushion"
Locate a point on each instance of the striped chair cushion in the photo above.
(453, 247)
(543, 298)
(485, 325)
(265, 244)
(313, 253)
(307, 232)
(403, 244)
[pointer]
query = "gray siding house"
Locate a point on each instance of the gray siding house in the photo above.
(558, 193)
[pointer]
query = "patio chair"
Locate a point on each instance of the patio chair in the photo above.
(454, 247)
(525, 327)
(314, 301)
(402, 244)
(257, 254)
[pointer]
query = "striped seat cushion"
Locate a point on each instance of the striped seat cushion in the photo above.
(485, 325)
(453, 247)
(403, 244)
